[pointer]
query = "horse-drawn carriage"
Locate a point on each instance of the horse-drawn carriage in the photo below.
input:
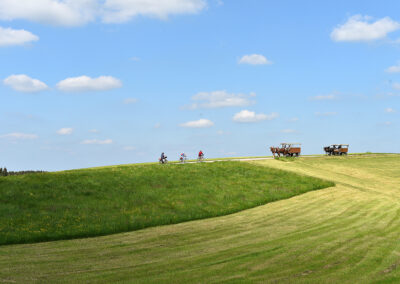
(287, 150)
(337, 149)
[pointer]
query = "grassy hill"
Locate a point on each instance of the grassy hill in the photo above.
(344, 234)
(100, 201)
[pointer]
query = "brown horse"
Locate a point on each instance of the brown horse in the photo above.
(275, 150)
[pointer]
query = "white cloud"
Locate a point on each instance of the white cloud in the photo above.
(254, 59)
(219, 99)
(221, 132)
(288, 131)
(9, 37)
(86, 84)
(135, 58)
(389, 110)
(24, 83)
(325, 113)
(97, 142)
(388, 123)
(323, 98)
(394, 68)
(18, 135)
(294, 119)
(65, 131)
(129, 148)
(71, 13)
(94, 131)
(117, 11)
(201, 123)
(53, 12)
(360, 28)
(396, 86)
(130, 101)
(246, 116)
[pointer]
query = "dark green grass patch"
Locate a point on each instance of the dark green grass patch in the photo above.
(92, 202)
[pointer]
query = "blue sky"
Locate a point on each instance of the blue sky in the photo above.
(89, 83)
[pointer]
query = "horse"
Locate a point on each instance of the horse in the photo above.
(328, 150)
(275, 150)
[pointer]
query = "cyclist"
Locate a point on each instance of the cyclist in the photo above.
(201, 155)
(163, 158)
(183, 157)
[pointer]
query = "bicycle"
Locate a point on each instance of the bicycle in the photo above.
(182, 159)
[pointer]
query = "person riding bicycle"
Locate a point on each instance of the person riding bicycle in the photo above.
(201, 155)
(163, 157)
(183, 157)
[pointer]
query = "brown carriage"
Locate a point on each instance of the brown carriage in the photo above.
(287, 150)
(337, 149)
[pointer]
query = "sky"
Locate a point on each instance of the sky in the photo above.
(87, 83)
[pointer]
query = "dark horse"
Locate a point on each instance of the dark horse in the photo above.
(328, 150)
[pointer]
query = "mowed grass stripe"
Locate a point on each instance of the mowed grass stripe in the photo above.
(344, 234)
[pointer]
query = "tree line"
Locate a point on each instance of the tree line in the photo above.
(4, 172)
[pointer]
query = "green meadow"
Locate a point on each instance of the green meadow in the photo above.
(101, 201)
(348, 233)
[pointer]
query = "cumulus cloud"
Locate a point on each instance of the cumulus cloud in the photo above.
(361, 28)
(323, 98)
(87, 84)
(394, 68)
(53, 12)
(222, 132)
(201, 123)
(130, 101)
(246, 116)
(116, 11)
(24, 83)
(97, 142)
(218, 99)
(71, 13)
(325, 113)
(396, 86)
(21, 136)
(254, 59)
(9, 37)
(288, 131)
(389, 110)
(65, 131)
(129, 148)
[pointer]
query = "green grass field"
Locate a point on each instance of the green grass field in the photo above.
(93, 202)
(349, 233)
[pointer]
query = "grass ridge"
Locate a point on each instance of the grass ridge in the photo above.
(103, 201)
